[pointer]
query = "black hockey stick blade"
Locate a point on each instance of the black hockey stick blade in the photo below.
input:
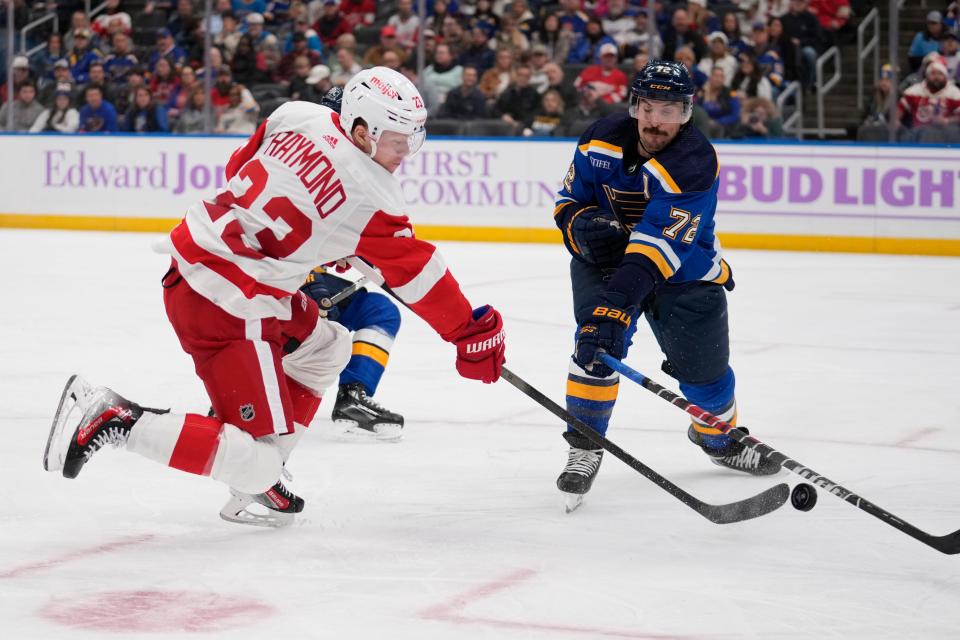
(948, 544)
(753, 507)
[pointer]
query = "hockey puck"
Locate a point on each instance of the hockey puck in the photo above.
(803, 497)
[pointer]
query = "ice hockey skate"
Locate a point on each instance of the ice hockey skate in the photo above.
(105, 418)
(583, 463)
(365, 418)
(277, 507)
(734, 455)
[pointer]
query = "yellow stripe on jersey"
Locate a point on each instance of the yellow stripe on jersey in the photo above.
(371, 351)
(561, 206)
(605, 148)
(664, 177)
(592, 392)
(573, 243)
(655, 255)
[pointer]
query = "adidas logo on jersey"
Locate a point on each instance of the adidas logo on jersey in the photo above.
(489, 343)
(331, 140)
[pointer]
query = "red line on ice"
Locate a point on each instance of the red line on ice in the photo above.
(916, 435)
(78, 554)
(452, 611)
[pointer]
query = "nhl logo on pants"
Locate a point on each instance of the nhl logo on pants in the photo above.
(247, 412)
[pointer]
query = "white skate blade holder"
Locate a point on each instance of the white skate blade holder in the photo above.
(383, 432)
(237, 510)
(77, 396)
(572, 502)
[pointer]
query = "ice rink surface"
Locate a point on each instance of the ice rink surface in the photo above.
(848, 363)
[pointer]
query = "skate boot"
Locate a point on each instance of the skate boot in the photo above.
(734, 455)
(279, 506)
(365, 417)
(106, 418)
(583, 463)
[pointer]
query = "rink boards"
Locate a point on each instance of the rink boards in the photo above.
(836, 197)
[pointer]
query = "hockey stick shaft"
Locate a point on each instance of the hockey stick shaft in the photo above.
(948, 544)
(328, 303)
(761, 504)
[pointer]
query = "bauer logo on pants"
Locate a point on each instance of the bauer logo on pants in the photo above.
(247, 413)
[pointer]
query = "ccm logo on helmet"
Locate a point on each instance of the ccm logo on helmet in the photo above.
(662, 87)
(385, 88)
(489, 343)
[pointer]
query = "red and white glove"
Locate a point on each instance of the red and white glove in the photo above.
(481, 345)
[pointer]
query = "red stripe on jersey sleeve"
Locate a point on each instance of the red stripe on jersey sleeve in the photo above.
(388, 243)
(193, 253)
(247, 151)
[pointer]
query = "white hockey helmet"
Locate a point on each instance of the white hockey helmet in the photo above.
(387, 101)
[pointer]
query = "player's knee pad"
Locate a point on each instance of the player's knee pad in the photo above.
(246, 464)
(381, 313)
(320, 357)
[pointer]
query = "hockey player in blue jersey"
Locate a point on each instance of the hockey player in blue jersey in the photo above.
(637, 214)
(374, 320)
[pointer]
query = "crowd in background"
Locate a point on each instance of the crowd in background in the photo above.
(523, 67)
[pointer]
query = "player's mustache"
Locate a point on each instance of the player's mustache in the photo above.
(654, 130)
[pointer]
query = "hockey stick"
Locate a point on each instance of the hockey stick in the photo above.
(949, 543)
(753, 507)
(328, 303)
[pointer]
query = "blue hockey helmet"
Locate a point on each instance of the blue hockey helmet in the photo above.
(666, 81)
(333, 98)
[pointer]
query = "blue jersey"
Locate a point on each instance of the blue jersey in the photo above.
(667, 202)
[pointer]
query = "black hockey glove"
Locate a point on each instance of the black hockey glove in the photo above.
(320, 292)
(598, 236)
(605, 330)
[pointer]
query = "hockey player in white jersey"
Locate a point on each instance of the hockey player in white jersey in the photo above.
(309, 187)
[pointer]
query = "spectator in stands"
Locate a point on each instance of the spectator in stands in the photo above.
(511, 36)
(537, 59)
(478, 54)
(145, 115)
(388, 42)
(180, 97)
(240, 116)
(803, 29)
(558, 41)
(720, 104)
(358, 12)
(216, 63)
(609, 82)
(229, 36)
(466, 102)
(61, 117)
(220, 93)
(926, 41)
(571, 17)
(884, 97)
(518, 102)
(718, 57)
(166, 49)
(639, 62)
(495, 80)
(406, 23)
(21, 74)
(283, 73)
(125, 93)
(556, 81)
(484, 17)
(702, 19)
(931, 109)
(299, 89)
(98, 78)
(98, 115)
(588, 108)
(950, 51)
(78, 22)
(25, 108)
(248, 66)
(687, 58)
(749, 80)
(164, 81)
(319, 82)
(586, 49)
(191, 119)
(834, 17)
(639, 39)
(118, 64)
(767, 9)
(83, 55)
(548, 116)
(618, 19)
(441, 77)
(758, 119)
(731, 29)
(454, 36)
(681, 33)
(346, 66)
(519, 12)
(62, 80)
(779, 43)
(244, 7)
(392, 59)
(182, 22)
(264, 42)
(43, 60)
(331, 24)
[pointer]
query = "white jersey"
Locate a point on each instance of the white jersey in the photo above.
(300, 194)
